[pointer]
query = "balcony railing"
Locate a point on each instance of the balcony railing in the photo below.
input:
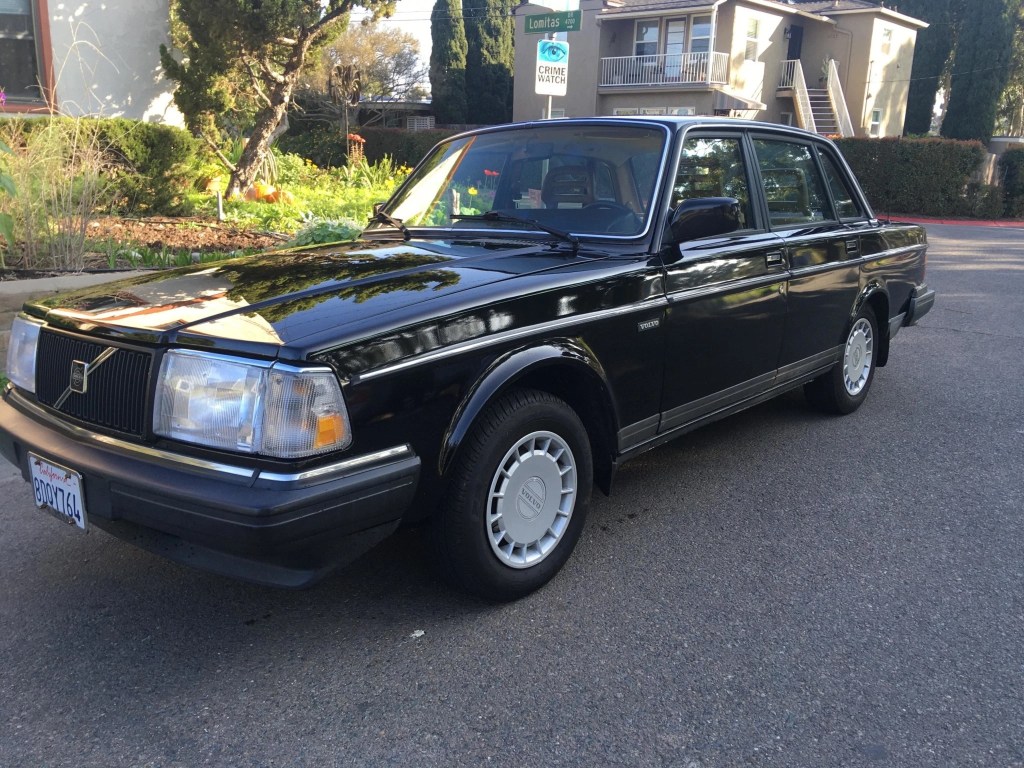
(666, 69)
(838, 100)
(791, 77)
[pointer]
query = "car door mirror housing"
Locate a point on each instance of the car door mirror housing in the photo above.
(704, 217)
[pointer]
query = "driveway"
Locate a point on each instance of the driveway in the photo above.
(778, 589)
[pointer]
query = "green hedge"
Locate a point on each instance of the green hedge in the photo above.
(323, 144)
(150, 167)
(923, 176)
(327, 146)
(1011, 165)
(404, 147)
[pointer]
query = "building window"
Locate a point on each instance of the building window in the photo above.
(624, 111)
(875, 129)
(646, 43)
(652, 110)
(786, 118)
(19, 52)
(750, 54)
(556, 114)
(700, 35)
(684, 111)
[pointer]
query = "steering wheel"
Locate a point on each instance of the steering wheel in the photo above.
(617, 215)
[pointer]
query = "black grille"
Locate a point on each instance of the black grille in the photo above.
(115, 397)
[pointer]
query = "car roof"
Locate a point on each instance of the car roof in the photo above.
(673, 123)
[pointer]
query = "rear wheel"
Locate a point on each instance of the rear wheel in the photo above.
(518, 497)
(845, 387)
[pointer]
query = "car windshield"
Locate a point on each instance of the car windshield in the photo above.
(584, 179)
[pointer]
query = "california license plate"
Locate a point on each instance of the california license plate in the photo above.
(58, 490)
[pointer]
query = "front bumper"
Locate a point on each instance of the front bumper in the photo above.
(285, 530)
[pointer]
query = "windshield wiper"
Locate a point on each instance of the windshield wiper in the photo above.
(384, 218)
(509, 218)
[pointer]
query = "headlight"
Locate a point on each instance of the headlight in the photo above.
(21, 353)
(266, 408)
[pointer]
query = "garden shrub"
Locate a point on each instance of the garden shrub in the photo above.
(1011, 165)
(924, 176)
(150, 168)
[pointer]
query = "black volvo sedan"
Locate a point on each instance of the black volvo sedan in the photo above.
(535, 305)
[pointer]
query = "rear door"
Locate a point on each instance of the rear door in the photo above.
(820, 232)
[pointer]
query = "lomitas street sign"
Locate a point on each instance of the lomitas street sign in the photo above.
(569, 21)
(552, 76)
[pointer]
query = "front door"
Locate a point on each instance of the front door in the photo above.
(796, 42)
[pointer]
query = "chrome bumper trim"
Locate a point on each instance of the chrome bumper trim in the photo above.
(250, 474)
(348, 465)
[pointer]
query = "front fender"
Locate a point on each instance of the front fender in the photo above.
(536, 366)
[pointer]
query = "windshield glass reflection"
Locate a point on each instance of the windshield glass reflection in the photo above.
(594, 179)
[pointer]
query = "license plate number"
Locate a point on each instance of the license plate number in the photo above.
(58, 490)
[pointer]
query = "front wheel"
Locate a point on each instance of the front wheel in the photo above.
(518, 497)
(845, 387)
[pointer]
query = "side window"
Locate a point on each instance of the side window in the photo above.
(713, 167)
(793, 187)
(842, 196)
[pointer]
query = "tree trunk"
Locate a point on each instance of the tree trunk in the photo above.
(270, 123)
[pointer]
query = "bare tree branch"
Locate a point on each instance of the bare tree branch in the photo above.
(220, 155)
(255, 78)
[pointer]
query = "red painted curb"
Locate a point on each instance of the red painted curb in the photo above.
(1003, 223)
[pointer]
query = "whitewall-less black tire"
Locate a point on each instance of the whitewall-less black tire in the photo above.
(518, 497)
(845, 387)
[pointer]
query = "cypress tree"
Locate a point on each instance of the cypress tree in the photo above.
(1010, 119)
(931, 58)
(490, 59)
(448, 62)
(981, 68)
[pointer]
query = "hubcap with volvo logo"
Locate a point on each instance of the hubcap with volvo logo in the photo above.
(531, 499)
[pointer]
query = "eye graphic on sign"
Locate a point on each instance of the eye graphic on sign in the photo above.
(553, 51)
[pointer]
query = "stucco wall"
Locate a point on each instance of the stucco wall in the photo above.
(106, 59)
(584, 66)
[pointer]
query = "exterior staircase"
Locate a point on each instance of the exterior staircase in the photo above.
(821, 110)
(825, 121)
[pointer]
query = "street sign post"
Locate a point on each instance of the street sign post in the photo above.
(541, 23)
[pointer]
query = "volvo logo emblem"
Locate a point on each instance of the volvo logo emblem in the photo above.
(80, 371)
(531, 498)
(79, 377)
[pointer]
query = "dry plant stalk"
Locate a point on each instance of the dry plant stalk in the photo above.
(61, 169)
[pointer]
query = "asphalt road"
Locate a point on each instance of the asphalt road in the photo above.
(779, 589)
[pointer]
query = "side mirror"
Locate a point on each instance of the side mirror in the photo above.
(704, 217)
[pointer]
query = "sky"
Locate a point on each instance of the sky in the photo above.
(413, 16)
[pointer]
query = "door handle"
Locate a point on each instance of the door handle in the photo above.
(773, 257)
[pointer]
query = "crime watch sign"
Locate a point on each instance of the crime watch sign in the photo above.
(552, 76)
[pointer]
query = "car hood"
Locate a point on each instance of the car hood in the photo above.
(274, 299)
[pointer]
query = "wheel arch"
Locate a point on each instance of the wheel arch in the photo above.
(565, 368)
(876, 297)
